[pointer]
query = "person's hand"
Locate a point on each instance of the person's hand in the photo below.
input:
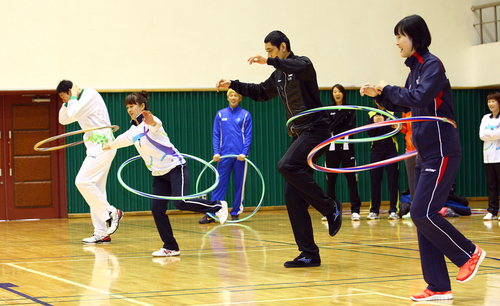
(241, 157)
(75, 91)
(394, 126)
(368, 89)
(222, 83)
(148, 118)
(378, 118)
(105, 146)
(216, 158)
(380, 86)
(257, 58)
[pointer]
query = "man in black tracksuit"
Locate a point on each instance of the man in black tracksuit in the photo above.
(294, 80)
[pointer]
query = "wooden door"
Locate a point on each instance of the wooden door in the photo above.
(34, 181)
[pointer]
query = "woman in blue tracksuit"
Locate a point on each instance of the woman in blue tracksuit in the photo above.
(427, 92)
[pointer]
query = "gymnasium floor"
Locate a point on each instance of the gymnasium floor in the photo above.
(367, 263)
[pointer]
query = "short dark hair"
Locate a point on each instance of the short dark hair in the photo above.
(416, 29)
(494, 96)
(64, 86)
(276, 38)
(138, 98)
(342, 90)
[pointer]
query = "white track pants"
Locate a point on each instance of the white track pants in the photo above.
(91, 182)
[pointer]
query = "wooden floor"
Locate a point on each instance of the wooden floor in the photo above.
(367, 263)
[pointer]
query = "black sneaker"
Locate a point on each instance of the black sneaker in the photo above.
(302, 262)
(335, 219)
(206, 219)
(234, 218)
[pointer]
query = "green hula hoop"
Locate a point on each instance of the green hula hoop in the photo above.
(261, 197)
(355, 107)
(158, 197)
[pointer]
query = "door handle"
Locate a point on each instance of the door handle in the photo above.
(10, 152)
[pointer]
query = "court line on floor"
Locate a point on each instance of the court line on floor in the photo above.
(79, 285)
(305, 298)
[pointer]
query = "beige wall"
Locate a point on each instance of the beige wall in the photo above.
(164, 44)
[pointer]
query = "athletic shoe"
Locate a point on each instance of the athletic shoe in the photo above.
(428, 295)
(234, 218)
(116, 216)
(469, 269)
(222, 213)
(490, 216)
(206, 219)
(335, 219)
(372, 216)
(97, 239)
(166, 253)
(323, 218)
(355, 216)
(302, 261)
(393, 216)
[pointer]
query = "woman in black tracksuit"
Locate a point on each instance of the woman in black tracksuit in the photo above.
(342, 120)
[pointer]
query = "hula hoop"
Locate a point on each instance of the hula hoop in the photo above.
(355, 107)
(158, 197)
(36, 147)
(261, 197)
(365, 128)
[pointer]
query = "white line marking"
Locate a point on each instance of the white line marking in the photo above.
(79, 285)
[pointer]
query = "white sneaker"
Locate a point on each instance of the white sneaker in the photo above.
(355, 217)
(166, 253)
(323, 218)
(372, 216)
(222, 213)
(407, 216)
(490, 216)
(115, 217)
(97, 239)
(393, 216)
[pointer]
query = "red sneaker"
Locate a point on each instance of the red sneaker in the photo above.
(428, 295)
(469, 269)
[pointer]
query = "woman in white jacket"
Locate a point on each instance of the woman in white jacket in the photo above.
(489, 132)
(168, 167)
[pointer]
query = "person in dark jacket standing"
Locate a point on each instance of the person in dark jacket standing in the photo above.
(342, 120)
(427, 92)
(295, 82)
(381, 150)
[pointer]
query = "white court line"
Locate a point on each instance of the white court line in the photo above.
(382, 294)
(79, 285)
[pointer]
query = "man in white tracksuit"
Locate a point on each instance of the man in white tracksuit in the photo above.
(88, 108)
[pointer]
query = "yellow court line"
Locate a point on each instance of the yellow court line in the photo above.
(79, 285)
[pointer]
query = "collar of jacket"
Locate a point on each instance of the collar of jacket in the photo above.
(416, 58)
(139, 120)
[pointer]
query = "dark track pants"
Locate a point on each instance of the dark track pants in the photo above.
(492, 180)
(333, 160)
(437, 238)
(301, 190)
(175, 183)
(376, 176)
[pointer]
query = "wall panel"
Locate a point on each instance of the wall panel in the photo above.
(188, 120)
